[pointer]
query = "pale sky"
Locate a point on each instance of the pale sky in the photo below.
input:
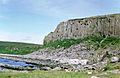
(31, 20)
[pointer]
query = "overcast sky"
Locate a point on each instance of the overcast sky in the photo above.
(31, 20)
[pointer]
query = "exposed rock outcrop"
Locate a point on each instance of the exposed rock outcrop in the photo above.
(75, 58)
(108, 25)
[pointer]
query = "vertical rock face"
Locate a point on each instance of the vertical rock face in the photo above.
(108, 25)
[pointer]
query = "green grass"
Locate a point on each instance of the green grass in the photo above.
(112, 66)
(42, 74)
(53, 74)
(17, 48)
(113, 76)
(66, 43)
(95, 41)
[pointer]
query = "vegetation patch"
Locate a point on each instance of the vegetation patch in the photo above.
(95, 41)
(112, 66)
(17, 48)
(54, 74)
(43, 74)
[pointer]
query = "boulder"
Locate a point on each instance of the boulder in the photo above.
(96, 66)
(84, 62)
(45, 68)
(114, 59)
(57, 69)
(95, 77)
(74, 61)
(89, 72)
(67, 70)
(117, 71)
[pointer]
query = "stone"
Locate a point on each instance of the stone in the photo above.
(114, 59)
(57, 69)
(67, 70)
(45, 68)
(117, 71)
(99, 65)
(73, 61)
(89, 72)
(95, 77)
(84, 62)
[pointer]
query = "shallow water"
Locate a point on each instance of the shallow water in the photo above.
(13, 62)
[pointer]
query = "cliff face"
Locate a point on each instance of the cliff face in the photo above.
(108, 25)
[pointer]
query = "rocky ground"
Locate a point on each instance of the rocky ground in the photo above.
(76, 58)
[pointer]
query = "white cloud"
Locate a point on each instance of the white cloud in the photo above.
(21, 37)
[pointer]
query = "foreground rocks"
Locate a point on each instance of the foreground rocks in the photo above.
(75, 58)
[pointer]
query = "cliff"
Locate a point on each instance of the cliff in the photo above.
(107, 25)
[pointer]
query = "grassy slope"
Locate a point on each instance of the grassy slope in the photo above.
(25, 48)
(95, 41)
(42, 74)
(52, 74)
(17, 48)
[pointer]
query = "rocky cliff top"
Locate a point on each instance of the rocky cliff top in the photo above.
(106, 25)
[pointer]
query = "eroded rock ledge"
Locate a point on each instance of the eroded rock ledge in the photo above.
(107, 25)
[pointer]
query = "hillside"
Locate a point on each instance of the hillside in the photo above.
(17, 47)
